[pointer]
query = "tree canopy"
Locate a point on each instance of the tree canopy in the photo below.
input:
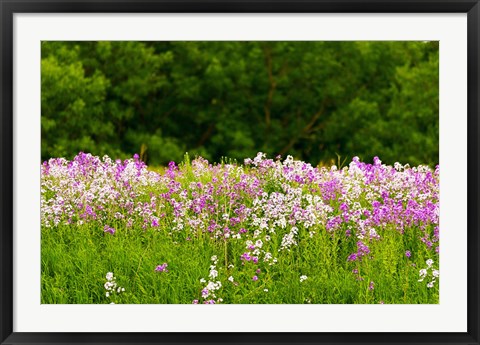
(315, 101)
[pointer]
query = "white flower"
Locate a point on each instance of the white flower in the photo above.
(230, 279)
(303, 278)
(423, 273)
(202, 280)
(266, 290)
(214, 258)
(436, 273)
(430, 285)
(107, 294)
(429, 263)
(213, 273)
(109, 276)
(288, 240)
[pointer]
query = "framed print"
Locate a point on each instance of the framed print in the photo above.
(239, 172)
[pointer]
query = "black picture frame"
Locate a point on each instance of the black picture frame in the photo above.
(8, 8)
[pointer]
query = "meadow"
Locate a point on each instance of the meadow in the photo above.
(260, 231)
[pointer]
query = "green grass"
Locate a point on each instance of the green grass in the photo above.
(75, 260)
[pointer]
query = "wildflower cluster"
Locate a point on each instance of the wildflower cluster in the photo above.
(111, 286)
(209, 291)
(430, 273)
(362, 250)
(255, 215)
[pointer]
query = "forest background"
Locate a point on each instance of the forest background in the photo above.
(322, 102)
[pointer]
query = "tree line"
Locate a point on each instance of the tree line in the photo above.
(317, 101)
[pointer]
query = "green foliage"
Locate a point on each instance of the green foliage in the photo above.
(313, 100)
(133, 254)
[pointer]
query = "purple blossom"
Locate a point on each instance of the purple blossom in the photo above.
(161, 268)
(109, 229)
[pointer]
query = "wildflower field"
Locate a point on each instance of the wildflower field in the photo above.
(260, 231)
